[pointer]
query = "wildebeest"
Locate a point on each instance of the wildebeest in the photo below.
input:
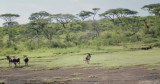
(87, 58)
(13, 59)
(142, 48)
(147, 48)
(26, 59)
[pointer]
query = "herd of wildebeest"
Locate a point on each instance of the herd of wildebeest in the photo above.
(15, 60)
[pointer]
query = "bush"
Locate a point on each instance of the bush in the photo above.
(150, 40)
(7, 51)
(1, 44)
(56, 44)
(156, 44)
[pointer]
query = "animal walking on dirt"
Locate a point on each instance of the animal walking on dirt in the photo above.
(26, 59)
(13, 59)
(87, 58)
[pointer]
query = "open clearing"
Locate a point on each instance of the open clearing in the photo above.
(108, 66)
(140, 74)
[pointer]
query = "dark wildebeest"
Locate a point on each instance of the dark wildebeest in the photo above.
(147, 48)
(26, 59)
(13, 59)
(87, 58)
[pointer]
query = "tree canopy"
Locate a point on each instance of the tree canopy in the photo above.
(156, 11)
(39, 15)
(118, 13)
(85, 14)
(95, 10)
(152, 8)
(9, 18)
(63, 18)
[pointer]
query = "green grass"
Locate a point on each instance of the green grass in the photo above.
(111, 56)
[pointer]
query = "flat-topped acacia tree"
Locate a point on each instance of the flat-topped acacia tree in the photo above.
(39, 15)
(117, 13)
(38, 23)
(152, 8)
(95, 10)
(9, 20)
(63, 18)
(156, 11)
(85, 14)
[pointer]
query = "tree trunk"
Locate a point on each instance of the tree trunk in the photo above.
(64, 26)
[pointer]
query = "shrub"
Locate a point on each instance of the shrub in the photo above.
(56, 44)
(156, 44)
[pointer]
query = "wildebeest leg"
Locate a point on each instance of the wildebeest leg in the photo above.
(84, 61)
(27, 63)
(87, 61)
(19, 62)
(9, 64)
(15, 64)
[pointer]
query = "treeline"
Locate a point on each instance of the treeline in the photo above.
(66, 30)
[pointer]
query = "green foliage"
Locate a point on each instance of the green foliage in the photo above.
(152, 8)
(58, 44)
(156, 11)
(64, 19)
(39, 15)
(118, 13)
(85, 14)
(40, 33)
(157, 44)
(9, 18)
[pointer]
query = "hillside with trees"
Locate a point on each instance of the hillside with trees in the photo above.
(116, 27)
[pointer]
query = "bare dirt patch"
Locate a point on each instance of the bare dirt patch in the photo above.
(140, 74)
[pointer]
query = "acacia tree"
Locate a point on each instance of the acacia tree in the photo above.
(49, 31)
(85, 14)
(10, 23)
(95, 11)
(39, 15)
(39, 18)
(94, 23)
(9, 20)
(152, 8)
(63, 18)
(117, 13)
(37, 24)
(110, 14)
(123, 12)
(156, 11)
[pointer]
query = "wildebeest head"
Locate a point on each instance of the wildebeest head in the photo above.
(26, 59)
(14, 57)
(89, 54)
(25, 56)
(8, 57)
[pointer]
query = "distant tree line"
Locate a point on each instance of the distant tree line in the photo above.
(67, 30)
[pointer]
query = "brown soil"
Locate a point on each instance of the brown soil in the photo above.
(140, 74)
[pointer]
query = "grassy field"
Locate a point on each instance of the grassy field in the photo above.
(111, 56)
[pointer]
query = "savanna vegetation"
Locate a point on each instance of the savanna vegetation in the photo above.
(64, 34)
